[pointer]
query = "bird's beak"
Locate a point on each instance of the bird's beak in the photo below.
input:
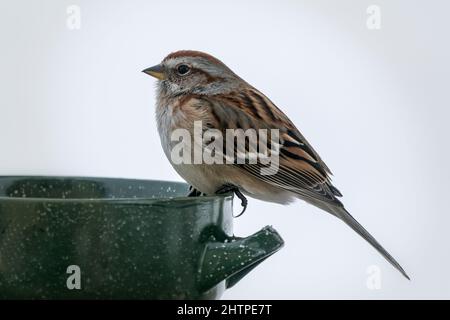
(156, 71)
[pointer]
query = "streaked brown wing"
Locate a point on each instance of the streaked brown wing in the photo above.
(301, 170)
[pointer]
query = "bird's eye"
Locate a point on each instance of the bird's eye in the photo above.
(183, 69)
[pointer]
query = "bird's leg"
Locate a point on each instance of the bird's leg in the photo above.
(194, 192)
(232, 188)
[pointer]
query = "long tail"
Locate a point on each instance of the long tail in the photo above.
(345, 216)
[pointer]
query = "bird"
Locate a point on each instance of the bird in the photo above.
(193, 86)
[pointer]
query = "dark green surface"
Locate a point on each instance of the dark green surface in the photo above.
(132, 239)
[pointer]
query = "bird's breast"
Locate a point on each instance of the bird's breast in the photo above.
(172, 115)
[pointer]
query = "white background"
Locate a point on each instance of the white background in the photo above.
(374, 103)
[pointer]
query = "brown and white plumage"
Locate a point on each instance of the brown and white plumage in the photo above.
(212, 93)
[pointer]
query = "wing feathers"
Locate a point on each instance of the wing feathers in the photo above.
(300, 171)
(300, 168)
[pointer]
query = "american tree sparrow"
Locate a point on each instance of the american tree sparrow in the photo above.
(194, 86)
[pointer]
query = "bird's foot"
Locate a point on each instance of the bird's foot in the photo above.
(232, 188)
(194, 192)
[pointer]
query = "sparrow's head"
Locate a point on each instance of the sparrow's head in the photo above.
(193, 72)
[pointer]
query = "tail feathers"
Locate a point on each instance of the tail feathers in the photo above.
(345, 216)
